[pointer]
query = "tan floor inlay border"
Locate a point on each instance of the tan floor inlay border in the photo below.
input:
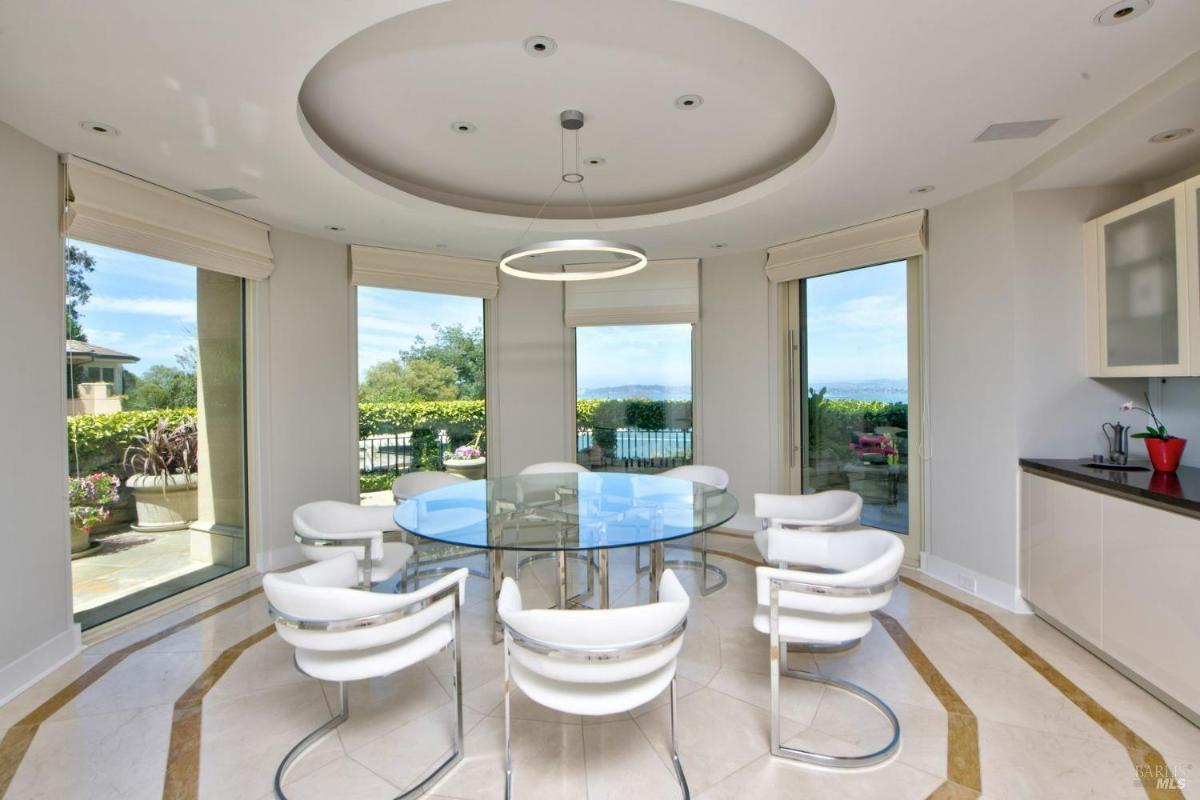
(1147, 762)
(19, 737)
(744, 559)
(962, 729)
(182, 781)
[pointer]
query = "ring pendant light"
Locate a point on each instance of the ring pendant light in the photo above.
(572, 120)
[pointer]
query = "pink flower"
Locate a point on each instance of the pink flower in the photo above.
(1127, 405)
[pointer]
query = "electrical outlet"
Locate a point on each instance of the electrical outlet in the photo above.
(966, 582)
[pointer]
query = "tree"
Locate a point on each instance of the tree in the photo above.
(407, 381)
(460, 350)
(162, 387)
(79, 264)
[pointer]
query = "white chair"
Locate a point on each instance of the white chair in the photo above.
(588, 557)
(708, 476)
(592, 662)
(344, 634)
(327, 528)
(859, 571)
(408, 486)
(823, 511)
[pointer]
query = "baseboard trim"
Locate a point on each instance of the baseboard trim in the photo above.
(280, 557)
(996, 592)
(39, 662)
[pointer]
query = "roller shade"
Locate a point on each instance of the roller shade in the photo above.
(117, 210)
(422, 272)
(664, 292)
(892, 239)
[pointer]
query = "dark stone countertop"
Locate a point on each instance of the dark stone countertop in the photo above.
(1179, 490)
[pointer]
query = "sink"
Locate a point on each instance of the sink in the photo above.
(1116, 467)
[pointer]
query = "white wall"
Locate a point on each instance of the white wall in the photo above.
(734, 388)
(309, 413)
(36, 627)
(532, 401)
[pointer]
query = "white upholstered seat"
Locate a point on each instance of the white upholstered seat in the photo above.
(412, 484)
(829, 510)
(593, 662)
(326, 528)
(342, 633)
(853, 574)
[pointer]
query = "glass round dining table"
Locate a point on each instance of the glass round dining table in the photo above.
(569, 515)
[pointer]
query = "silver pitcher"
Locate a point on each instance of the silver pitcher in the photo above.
(1118, 442)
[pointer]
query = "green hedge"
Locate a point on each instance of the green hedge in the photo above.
(99, 440)
(832, 423)
(376, 418)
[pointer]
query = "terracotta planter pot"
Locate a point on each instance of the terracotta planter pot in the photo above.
(1165, 453)
(158, 510)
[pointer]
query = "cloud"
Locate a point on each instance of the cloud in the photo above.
(184, 310)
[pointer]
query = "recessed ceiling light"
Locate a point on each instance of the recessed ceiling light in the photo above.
(1123, 12)
(689, 101)
(925, 189)
(1025, 129)
(102, 128)
(440, 246)
(461, 126)
(334, 228)
(225, 194)
(540, 46)
(595, 161)
(1171, 135)
(719, 245)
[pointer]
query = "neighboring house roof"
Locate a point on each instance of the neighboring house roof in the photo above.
(84, 351)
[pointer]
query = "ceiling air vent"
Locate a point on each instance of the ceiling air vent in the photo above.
(1015, 130)
(225, 194)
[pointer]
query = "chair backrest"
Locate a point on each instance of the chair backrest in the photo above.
(600, 630)
(858, 559)
(414, 483)
(700, 473)
(553, 466)
(834, 508)
(321, 592)
(333, 519)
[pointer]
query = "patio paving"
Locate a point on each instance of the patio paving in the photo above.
(128, 562)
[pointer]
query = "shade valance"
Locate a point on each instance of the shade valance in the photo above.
(117, 210)
(892, 239)
(422, 272)
(666, 291)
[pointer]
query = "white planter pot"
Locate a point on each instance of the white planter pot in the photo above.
(472, 469)
(164, 503)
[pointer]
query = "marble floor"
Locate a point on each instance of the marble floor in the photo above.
(204, 702)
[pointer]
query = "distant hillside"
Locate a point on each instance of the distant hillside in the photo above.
(889, 391)
(637, 392)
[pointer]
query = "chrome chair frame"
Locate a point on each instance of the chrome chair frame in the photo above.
(582, 654)
(779, 667)
(358, 623)
(364, 562)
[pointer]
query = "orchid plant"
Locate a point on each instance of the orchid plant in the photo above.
(1155, 431)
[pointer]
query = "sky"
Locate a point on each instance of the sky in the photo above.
(857, 325)
(140, 305)
(619, 355)
(390, 319)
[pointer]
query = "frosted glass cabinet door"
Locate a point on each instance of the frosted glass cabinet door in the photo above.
(1144, 287)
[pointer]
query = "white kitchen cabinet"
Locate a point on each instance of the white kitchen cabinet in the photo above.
(1142, 288)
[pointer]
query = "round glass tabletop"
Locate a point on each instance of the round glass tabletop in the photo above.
(569, 511)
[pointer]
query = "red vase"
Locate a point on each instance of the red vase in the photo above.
(1165, 453)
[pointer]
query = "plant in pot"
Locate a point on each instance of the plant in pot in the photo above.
(1164, 450)
(162, 461)
(467, 460)
(90, 497)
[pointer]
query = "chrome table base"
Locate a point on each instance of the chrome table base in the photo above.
(701, 564)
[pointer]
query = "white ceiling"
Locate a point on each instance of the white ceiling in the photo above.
(385, 100)
(206, 95)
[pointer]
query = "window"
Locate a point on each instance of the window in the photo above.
(422, 387)
(155, 429)
(633, 397)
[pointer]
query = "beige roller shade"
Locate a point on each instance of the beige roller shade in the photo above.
(423, 272)
(892, 239)
(665, 291)
(117, 210)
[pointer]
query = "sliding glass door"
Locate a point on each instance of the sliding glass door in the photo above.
(854, 390)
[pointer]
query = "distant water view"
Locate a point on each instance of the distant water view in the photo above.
(882, 389)
(637, 392)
